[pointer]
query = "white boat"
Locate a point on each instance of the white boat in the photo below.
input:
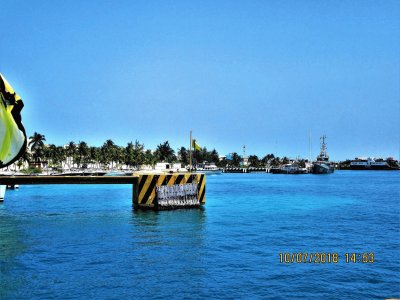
(289, 169)
(208, 169)
(169, 168)
(368, 163)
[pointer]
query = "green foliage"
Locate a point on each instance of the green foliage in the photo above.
(236, 160)
(149, 158)
(31, 170)
(183, 156)
(37, 146)
(165, 153)
(275, 162)
(267, 159)
(134, 154)
(203, 155)
(82, 154)
(254, 161)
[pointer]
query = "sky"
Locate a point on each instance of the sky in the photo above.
(265, 74)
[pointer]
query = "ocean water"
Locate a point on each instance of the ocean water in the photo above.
(69, 241)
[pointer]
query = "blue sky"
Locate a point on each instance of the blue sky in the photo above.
(260, 73)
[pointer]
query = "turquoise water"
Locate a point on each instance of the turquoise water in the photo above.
(70, 242)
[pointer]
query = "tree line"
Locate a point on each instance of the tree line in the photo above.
(134, 154)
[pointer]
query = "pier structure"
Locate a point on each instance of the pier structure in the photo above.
(149, 191)
(246, 170)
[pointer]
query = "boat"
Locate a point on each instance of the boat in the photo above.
(74, 172)
(274, 170)
(207, 168)
(118, 173)
(289, 169)
(322, 165)
(363, 163)
(163, 167)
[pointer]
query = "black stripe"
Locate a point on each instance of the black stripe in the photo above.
(202, 195)
(179, 179)
(150, 189)
(169, 178)
(141, 183)
(190, 179)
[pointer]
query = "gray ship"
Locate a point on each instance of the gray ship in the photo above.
(322, 165)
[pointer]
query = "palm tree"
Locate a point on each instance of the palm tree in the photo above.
(183, 156)
(70, 152)
(235, 160)
(165, 153)
(254, 161)
(26, 157)
(82, 153)
(36, 145)
(276, 161)
(94, 155)
(109, 153)
(51, 153)
(129, 154)
(267, 159)
(214, 157)
(149, 158)
(134, 154)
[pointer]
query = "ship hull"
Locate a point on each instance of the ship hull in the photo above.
(291, 171)
(321, 168)
(208, 172)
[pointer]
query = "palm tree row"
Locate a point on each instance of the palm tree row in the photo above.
(109, 155)
(134, 154)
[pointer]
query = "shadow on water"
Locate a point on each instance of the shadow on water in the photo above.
(168, 246)
(175, 229)
(158, 220)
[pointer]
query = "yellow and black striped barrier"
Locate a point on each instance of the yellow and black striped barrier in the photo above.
(145, 193)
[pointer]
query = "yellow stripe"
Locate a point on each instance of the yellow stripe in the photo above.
(198, 176)
(145, 187)
(185, 178)
(171, 180)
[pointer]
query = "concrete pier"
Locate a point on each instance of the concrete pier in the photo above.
(149, 191)
(178, 193)
(246, 170)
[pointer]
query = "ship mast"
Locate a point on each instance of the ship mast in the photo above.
(323, 155)
(309, 148)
